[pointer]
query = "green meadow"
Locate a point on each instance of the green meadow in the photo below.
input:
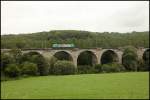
(129, 85)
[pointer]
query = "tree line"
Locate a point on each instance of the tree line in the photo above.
(81, 39)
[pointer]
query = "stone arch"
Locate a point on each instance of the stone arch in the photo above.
(109, 56)
(90, 56)
(63, 55)
(37, 58)
(32, 51)
(27, 55)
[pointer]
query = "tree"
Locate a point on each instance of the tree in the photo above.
(130, 58)
(52, 61)
(81, 39)
(16, 54)
(5, 60)
(20, 44)
(38, 59)
(98, 68)
(64, 68)
(12, 70)
(29, 68)
(112, 67)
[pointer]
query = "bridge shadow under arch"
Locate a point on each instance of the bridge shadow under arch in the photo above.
(109, 56)
(63, 55)
(86, 58)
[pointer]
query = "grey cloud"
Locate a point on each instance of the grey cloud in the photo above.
(123, 16)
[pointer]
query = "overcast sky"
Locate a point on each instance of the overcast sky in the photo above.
(97, 16)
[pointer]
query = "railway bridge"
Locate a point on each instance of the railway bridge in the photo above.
(97, 54)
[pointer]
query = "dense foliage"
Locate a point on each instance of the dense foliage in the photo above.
(64, 68)
(5, 60)
(12, 70)
(130, 59)
(112, 67)
(29, 68)
(38, 59)
(98, 68)
(86, 69)
(81, 39)
(52, 61)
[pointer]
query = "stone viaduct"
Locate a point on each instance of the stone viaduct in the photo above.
(75, 52)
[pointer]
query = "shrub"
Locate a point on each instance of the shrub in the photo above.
(12, 70)
(43, 67)
(5, 60)
(52, 61)
(130, 63)
(29, 68)
(64, 68)
(38, 59)
(98, 68)
(130, 59)
(107, 68)
(112, 67)
(86, 69)
(142, 66)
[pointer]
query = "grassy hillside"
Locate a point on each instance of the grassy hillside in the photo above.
(81, 39)
(116, 85)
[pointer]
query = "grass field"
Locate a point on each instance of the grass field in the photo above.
(116, 85)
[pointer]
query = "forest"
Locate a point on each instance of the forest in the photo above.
(81, 39)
